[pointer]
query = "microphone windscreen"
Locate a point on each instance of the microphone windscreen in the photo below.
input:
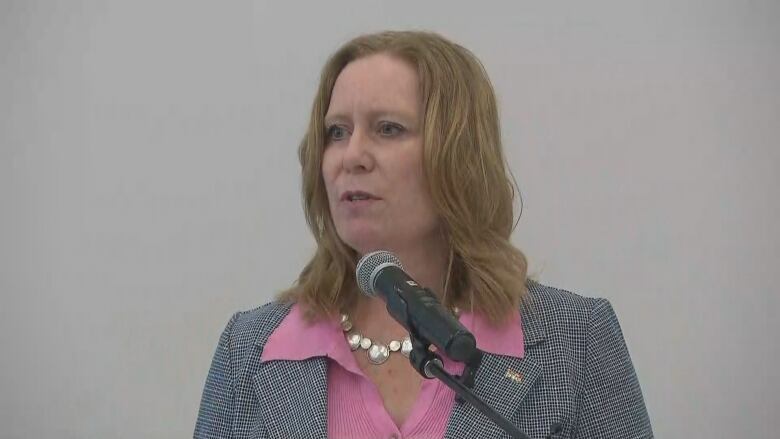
(368, 267)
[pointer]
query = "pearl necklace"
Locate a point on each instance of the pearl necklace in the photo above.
(378, 353)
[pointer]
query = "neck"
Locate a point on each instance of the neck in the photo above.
(427, 265)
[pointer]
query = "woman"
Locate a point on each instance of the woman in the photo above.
(403, 153)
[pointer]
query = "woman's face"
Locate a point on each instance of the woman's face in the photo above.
(373, 160)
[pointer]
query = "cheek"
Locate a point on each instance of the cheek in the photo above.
(329, 168)
(415, 188)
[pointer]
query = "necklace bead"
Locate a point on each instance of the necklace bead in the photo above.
(394, 345)
(354, 340)
(406, 347)
(378, 354)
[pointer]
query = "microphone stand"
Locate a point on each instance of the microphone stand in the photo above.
(429, 365)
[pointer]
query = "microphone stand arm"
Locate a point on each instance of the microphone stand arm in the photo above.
(429, 365)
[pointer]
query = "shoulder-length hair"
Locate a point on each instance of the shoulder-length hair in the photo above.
(465, 168)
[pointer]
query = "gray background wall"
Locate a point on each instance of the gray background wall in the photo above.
(149, 188)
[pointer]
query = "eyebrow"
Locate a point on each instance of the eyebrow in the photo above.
(372, 114)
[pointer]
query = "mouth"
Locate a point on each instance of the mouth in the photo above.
(354, 196)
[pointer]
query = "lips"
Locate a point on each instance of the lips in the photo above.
(353, 196)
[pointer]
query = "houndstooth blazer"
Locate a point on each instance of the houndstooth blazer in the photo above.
(576, 379)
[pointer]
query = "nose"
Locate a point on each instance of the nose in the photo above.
(358, 156)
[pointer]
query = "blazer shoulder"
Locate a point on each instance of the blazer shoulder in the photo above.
(251, 328)
(545, 295)
(551, 310)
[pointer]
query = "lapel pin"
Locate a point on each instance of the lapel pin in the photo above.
(514, 376)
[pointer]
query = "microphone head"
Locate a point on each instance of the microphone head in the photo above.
(368, 267)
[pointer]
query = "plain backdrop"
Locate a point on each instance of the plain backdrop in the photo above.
(149, 188)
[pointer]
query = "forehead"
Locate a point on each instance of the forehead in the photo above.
(379, 82)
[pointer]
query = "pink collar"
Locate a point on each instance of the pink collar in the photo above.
(296, 339)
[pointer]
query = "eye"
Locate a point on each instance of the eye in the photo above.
(335, 133)
(390, 129)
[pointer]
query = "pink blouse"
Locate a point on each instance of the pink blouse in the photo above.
(355, 407)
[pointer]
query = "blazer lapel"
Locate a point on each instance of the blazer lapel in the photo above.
(503, 382)
(293, 398)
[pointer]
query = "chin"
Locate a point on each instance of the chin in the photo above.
(363, 240)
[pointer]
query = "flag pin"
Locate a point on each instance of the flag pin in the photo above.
(514, 376)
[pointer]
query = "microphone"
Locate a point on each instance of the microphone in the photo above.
(380, 273)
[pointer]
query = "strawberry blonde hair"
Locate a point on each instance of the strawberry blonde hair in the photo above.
(469, 182)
